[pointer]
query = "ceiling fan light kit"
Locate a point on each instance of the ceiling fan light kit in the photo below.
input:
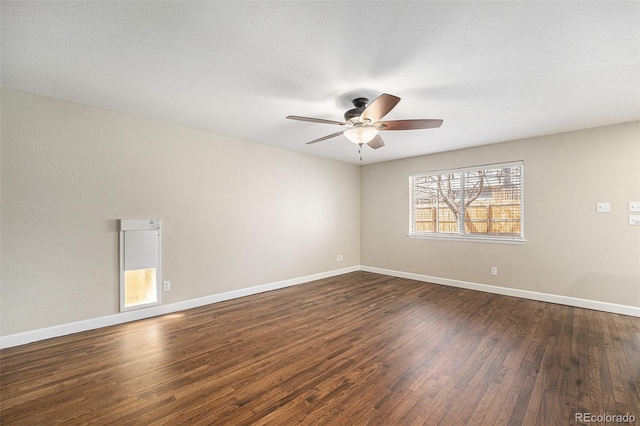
(361, 135)
(364, 125)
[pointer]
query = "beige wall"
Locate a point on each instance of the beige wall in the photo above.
(234, 214)
(570, 249)
(237, 214)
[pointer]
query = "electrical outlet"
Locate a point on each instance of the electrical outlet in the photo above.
(494, 270)
(634, 206)
(603, 207)
(340, 258)
(167, 285)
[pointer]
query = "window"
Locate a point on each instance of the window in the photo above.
(482, 202)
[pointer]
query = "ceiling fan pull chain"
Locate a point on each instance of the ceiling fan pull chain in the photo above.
(360, 150)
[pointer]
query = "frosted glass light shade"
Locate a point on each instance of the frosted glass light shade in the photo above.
(360, 135)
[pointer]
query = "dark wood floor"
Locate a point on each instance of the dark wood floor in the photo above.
(358, 349)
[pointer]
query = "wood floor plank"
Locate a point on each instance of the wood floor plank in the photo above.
(357, 349)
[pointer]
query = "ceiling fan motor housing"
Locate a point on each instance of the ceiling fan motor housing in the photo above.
(352, 115)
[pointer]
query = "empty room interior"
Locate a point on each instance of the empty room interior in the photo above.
(337, 213)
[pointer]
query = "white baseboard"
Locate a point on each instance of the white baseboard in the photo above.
(525, 294)
(91, 324)
(123, 317)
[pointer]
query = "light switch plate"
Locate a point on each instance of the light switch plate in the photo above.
(603, 207)
(634, 206)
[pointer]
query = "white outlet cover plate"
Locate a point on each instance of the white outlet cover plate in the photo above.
(603, 207)
(634, 219)
(634, 206)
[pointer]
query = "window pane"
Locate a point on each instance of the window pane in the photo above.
(492, 200)
(448, 190)
(424, 205)
(436, 202)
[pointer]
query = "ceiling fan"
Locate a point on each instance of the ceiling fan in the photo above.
(363, 121)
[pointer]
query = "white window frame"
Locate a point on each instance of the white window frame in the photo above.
(461, 235)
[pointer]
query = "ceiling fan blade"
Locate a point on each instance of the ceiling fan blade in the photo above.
(380, 107)
(376, 142)
(409, 124)
(324, 138)
(315, 120)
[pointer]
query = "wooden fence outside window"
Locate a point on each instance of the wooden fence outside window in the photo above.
(480, 219)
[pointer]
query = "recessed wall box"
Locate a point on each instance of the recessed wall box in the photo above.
(139, 263)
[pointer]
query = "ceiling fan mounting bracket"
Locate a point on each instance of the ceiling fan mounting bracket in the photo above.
(360, 102)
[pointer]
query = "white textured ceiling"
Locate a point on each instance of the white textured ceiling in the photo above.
(493, 71)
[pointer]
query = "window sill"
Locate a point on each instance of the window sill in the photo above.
(479, 239)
